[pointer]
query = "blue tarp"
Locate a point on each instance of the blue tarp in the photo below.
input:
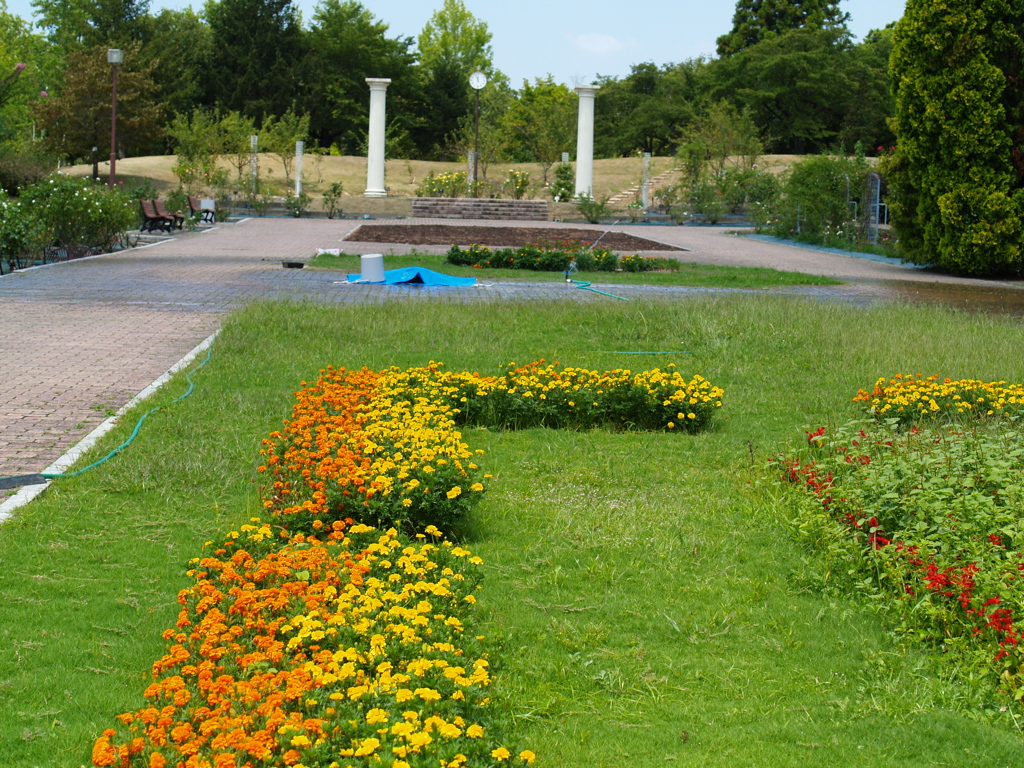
(418, 276)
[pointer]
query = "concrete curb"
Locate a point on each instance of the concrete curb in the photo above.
(29, 492)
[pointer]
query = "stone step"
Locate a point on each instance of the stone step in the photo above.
(471, 208)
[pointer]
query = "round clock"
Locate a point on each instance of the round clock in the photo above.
(478, 80)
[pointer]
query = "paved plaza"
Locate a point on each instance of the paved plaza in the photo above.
(82, 338)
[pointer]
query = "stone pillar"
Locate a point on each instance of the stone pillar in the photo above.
(375, 149)
(300, 147)
(585, 141)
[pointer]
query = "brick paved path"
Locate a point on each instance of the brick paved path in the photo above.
(81, 338)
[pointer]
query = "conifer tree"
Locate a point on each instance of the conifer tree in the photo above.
(958, 169)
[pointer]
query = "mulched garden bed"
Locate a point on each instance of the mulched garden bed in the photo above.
(506, 237)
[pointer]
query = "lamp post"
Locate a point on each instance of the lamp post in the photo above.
(114, 56)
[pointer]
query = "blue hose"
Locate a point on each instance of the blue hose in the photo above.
(138, 426)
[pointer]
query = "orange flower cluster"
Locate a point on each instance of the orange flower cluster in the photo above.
(341, 651)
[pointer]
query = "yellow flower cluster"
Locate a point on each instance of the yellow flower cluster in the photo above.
(350, 650)
(540, 394)
(911, 397)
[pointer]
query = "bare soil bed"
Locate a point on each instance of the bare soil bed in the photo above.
(506, 237)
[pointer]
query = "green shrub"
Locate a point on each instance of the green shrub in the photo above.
(79, 212)
(297, 205)
(21, 234)
(592, 210)
(564, 184)
(517, 184)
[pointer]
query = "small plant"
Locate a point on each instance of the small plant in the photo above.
(564, 183)
(593, 210)
(517, 184)
(445, 185)
(296, 205)
(635, 210)
(331, 198)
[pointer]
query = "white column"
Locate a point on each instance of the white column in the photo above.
(300, 147)
(585, 141)
(375, 148)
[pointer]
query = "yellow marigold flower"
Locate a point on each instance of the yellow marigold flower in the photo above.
(454, 492)
(476, 487)
(475, 731)
(376, 715)
(300, 741)
(527, 756)
(406, 502)
(500, 753)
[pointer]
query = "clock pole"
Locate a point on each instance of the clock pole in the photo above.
(477, 81)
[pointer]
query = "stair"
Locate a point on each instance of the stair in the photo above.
(627, 196)
(470, 208)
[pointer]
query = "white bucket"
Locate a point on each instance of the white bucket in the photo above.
(372, 265)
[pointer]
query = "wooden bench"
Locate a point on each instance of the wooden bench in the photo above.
(177, 220)
(151, 220)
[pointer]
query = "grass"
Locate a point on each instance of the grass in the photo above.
(689, 274)
(644, 597)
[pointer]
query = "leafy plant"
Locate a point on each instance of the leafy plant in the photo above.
(330, 199)
(296, 205)
(593, 210)
(564, 184)
(78, 212)
(517, 184)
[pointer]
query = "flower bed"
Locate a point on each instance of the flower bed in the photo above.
(347, 649)
(307, 640)
(929, 523)
(385, 448)
(557, 258)
(911, 398)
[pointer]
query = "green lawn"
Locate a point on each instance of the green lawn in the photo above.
(689, 274)
(644, 598)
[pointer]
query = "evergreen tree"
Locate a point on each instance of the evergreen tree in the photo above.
(757, 20)
(257, 45)
(958, 170)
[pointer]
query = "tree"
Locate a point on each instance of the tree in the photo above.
(758, 20)
(256, 47)
(180, 44)
(452, 45)
(347, 45)
(957, 174)
(279, 136)
(73, 24)
(542, 123)
(27, 67)
(645, 111)
(871, 105)
(197, 147)
(797, 85)
(454, 36)
(447, 103)
(77, 118)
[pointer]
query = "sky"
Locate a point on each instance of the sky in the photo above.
(574, 41)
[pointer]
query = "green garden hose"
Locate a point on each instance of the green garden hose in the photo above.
(135, 432)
